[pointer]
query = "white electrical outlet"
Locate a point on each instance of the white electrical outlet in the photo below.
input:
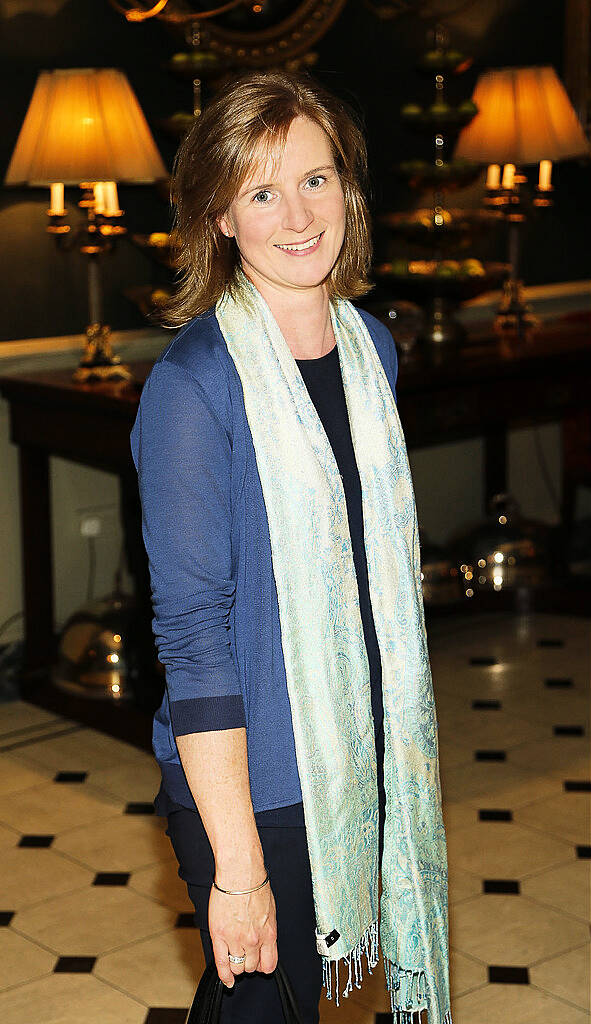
(90, 526)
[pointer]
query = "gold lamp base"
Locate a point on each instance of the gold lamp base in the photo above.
(514, 317)
(98, 362)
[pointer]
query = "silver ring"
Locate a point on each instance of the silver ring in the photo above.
(236, 959)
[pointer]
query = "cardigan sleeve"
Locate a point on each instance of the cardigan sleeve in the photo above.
(182, 454)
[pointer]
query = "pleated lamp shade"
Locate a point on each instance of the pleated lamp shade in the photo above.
(524, 116)
(84, 125)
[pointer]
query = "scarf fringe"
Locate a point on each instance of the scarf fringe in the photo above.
(406, 994)
(368, 944)
(403, 985)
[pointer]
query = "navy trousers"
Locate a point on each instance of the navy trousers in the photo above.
(254, 996)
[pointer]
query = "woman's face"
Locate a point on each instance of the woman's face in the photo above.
(289, 221)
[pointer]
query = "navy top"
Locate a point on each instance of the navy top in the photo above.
(205, 528)
(322, 377)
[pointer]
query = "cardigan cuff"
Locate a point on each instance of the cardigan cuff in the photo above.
(207, 714)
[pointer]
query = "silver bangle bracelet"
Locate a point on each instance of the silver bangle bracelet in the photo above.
(242, 892)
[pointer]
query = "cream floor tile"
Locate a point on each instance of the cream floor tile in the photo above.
(566, 887)
(483, 682)
(162, 971)
(494, 784)
(565, 756)
(120, 844)
(69, 999)
(566, 976)
(129, 782)
(490, 729)
(22, 960)
(499, 849)
(465, 973)
(8, 837)
(82, 750)
(461, 885)
(162, 883)
(16, 775)
(521, 1004)
(567, 815)
(554, 706)
(53, 807)
(458, 815)
(511, 930)
(32, 874)
(18, 714)
(93, 920)
(452, 754)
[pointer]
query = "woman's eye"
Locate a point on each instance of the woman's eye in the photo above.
(264, 192)
(316, 180)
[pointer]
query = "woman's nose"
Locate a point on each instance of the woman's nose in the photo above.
(296, 216)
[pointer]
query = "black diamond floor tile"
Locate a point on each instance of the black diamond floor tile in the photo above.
(163, 1015)
(501, 885)
(74, 964)
(6, 917)
(495, 814)
(185, 920)
(483, 660)
(557, 682)
(577, 785)
(569, 730)
(550, 642)
(70, 777)
(41, 841)
(584, 852)
(139, 808)
(486, 705)
(508, 975)
(111, 878)
(490, 755)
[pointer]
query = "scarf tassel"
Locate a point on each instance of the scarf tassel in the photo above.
(400, 983)
(368, 944)
(403, 1003)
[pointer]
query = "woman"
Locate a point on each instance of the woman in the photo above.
(297, 736)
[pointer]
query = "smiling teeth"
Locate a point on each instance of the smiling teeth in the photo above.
(299, 248)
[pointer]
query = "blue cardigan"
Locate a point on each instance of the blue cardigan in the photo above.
(205, 528)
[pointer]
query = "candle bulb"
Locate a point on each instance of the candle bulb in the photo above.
(545, 175)
(56, 203)
(493, 177)
(110, 198)
(99, 197)
(508, 176)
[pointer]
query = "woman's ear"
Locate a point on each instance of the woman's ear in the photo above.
(225, 227)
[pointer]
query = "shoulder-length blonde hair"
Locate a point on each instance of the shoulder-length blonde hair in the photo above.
(248, 119)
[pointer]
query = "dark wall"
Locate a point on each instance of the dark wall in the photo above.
(369, 62)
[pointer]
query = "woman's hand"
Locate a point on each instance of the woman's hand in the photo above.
(243, 924)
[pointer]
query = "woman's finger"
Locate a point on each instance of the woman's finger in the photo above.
(220, 954)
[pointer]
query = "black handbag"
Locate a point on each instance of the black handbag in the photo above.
(207, 1002)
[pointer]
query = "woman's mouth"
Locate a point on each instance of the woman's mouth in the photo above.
(301, 248)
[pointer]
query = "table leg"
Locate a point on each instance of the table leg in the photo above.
(495, 464)
(35, 499)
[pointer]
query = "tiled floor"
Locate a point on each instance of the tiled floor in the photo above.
(95, 926)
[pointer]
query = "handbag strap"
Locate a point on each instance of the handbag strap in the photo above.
(206, 1005)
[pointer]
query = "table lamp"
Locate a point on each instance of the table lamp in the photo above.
(84, 126)
(524, 117)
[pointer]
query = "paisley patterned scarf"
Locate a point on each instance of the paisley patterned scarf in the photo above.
(326, 659)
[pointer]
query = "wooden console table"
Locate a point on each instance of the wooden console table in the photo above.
(482, 390)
